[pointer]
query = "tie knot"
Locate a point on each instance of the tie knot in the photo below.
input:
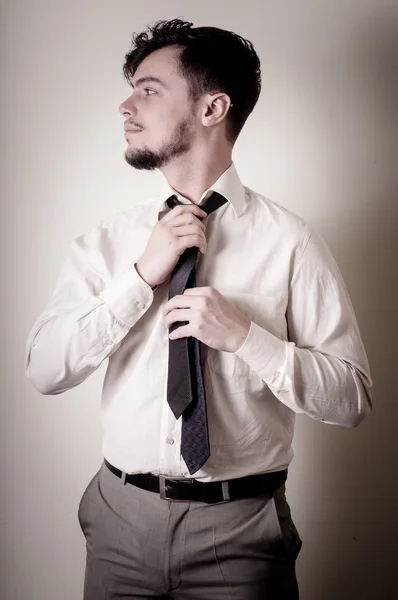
(212, 203)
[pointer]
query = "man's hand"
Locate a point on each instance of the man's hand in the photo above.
(179, 229)
(212, 319)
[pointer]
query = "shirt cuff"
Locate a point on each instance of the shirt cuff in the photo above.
(128, 297)
(262, 351)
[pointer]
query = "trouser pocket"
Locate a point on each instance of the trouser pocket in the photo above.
(288, 534)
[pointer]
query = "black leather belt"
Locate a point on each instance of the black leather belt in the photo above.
(214, 491)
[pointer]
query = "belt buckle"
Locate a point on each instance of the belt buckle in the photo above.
(163, 492)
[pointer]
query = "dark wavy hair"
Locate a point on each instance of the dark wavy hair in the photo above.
(212, 60)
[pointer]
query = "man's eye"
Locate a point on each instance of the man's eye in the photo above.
(149, 92)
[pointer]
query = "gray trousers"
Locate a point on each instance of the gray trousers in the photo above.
(140, 546)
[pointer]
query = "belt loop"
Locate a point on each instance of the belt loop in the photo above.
(162, 487)
(225, 490)
(123, 477)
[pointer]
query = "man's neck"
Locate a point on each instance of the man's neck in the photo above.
(191, 178)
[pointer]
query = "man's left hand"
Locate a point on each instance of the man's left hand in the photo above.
(212, 319)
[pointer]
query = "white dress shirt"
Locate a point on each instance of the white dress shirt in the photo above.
(303, 352)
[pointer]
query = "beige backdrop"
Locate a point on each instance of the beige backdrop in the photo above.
(322, 141)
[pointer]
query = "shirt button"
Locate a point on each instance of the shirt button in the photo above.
(140, 305)
(170, 441)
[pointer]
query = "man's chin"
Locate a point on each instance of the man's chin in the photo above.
(142, 160)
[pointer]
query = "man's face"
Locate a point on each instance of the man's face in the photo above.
(160, 122)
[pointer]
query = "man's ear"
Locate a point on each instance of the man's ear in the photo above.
(217, 105)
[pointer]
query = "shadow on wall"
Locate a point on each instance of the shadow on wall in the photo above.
(348, 482)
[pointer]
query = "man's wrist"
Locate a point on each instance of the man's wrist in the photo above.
(242, 336)
(153, 287)
(136, 267)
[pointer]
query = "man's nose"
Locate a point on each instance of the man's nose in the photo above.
(128, 108)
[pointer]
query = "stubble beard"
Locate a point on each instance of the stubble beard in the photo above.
(179, 144)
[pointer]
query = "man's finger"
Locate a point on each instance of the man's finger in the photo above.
(198, 291)
(180, 332)
(177, 302)
(176, 315)
(184, 208)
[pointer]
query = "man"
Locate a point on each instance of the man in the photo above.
(220, 323)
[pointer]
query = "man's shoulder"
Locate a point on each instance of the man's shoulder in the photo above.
(274, 215)
(139, 213)
(118, 224)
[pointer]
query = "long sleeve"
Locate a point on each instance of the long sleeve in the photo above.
(85, 321)
(322, 369)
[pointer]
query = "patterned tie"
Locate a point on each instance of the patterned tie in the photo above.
(185, 388)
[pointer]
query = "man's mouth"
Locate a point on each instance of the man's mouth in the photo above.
(129, 132)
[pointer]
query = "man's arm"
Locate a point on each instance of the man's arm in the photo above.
(88, 316)
(85, 321)
(322, 370)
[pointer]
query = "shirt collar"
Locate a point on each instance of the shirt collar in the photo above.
(228, 185)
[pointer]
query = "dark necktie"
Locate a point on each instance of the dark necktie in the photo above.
(185, 388)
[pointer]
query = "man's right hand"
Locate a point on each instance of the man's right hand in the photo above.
(179, 229)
